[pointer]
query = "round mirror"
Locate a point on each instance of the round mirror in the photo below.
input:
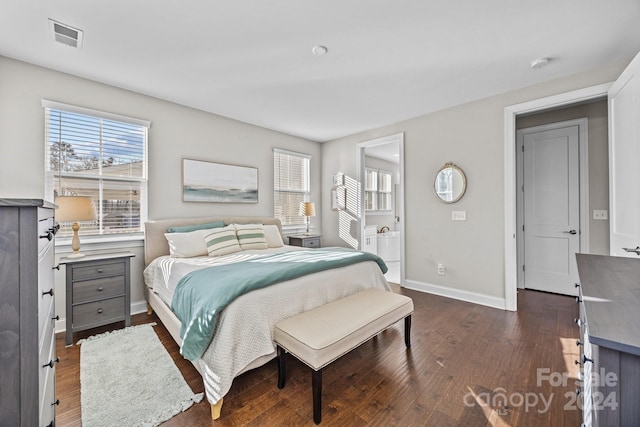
(450, 183)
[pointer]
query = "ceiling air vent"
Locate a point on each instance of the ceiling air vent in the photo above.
(65, 34)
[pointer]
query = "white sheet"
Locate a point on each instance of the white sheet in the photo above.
(245, 331)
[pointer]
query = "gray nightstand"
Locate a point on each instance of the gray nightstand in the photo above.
(98, 291)
(306, 241)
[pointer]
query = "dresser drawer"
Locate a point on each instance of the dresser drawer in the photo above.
(46, 286)
(311, 243)
(98, 289)
(99, 312)
(94, 271)
(47, 373)
(48, 397)
(46, 332)
(45, 228)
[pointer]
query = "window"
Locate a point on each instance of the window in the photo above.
(100, 155)
(291, 186)
(384, 190)
(377, 190)
(370, 189)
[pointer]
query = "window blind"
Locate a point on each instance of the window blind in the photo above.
(102, 156)
(291, 185)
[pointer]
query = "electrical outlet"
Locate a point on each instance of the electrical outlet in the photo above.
(441, 269)
(458, 215)
(600, 214)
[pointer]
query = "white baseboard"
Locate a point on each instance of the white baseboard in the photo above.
(458, 294)
(136, 308)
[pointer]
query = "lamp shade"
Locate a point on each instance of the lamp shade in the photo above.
(75, 208)
(308, 209)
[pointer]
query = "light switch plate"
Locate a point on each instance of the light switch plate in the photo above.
(600, 214)
(458, 215)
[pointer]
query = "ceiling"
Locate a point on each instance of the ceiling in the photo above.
(252, 60)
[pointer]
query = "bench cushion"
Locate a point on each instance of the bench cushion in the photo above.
(319, 336)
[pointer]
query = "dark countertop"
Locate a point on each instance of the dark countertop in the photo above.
(611, 296)
(20, 203)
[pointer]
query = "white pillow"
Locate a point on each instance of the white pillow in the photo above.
(251, 236)
(222, 241)
(272, 234)
(185, 245)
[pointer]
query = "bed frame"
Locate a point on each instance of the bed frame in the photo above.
(155, 245)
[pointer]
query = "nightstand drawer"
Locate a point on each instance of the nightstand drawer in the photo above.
(98, 289)
(313, 242)
(95, 271)
(99, 312)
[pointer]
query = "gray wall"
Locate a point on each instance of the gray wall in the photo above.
(472, 136)
(597, 113)
(176, 132)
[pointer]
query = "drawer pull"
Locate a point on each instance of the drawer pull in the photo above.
(578, 300)
(55, 229)
(48, 236)
(57, 267)
(576, 285)
(100, 270)
(100, 289)
(100, 311)
(56, 403)
(585, 359)
(579, 343)
(56, 318)
(51, 363)
(579, 322)
(49, 292)
(577, 362)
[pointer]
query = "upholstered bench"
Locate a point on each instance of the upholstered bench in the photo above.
(320, 336)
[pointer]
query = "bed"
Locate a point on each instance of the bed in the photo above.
(243, 338)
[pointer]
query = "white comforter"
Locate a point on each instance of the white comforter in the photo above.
(245, 330)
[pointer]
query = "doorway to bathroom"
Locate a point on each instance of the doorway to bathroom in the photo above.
(381, 223)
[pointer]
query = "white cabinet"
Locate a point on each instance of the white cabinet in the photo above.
(370, 239)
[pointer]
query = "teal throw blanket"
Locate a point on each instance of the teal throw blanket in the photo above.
(201, 295)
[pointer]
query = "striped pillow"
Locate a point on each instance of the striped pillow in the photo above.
(222, 241)
(251, 236)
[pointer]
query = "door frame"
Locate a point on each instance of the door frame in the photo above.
(360, 165)
(510, 212)
(583, 185)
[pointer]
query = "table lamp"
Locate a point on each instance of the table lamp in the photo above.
(308, 209)
(75, 208)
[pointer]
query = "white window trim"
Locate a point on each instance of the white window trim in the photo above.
(63, 242)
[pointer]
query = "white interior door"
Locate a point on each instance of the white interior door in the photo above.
(551, 209)
(624, 162)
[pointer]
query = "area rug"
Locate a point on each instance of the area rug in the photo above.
(127, 378)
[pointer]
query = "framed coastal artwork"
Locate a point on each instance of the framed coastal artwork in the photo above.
(204, 181)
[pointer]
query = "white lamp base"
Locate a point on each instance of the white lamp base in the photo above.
(75, 255)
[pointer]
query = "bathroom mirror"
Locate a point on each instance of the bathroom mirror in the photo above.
(450, 183)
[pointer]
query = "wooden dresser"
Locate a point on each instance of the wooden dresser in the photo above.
(27, 313)
(609, 298)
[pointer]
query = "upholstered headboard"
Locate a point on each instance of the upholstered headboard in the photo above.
(155, 244)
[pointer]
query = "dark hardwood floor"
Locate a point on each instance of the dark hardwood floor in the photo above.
(469, 365)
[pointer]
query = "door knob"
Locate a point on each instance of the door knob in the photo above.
(571, 232)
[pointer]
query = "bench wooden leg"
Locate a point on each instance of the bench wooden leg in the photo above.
(282, 371)
(407, 331)
(316, 385)
(216, 409)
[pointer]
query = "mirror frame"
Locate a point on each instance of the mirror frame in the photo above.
(464, 182)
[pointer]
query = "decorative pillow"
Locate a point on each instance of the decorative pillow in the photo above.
(251, 236)
(185, 245)
(188, 228)
(272, 234)
(222, 241)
